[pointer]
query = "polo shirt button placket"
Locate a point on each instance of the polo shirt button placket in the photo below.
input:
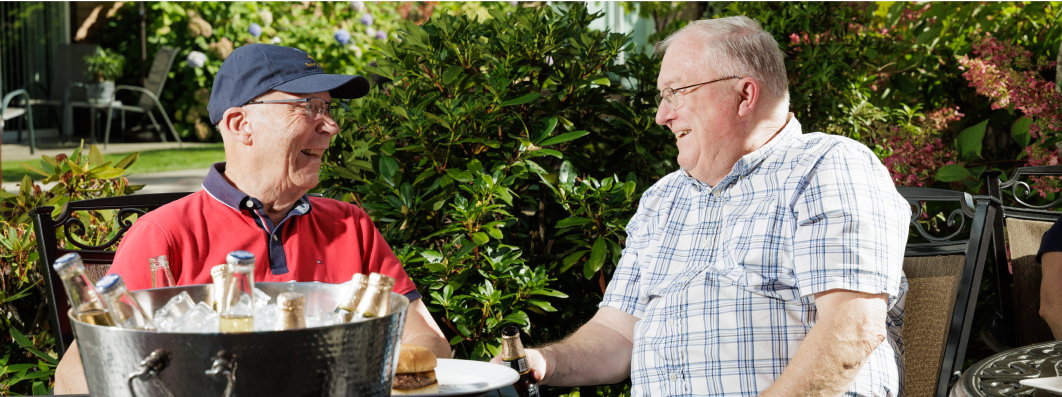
(275, 238)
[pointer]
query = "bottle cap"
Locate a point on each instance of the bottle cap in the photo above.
(159, 261)
(240, 258)
(109, 283)
(66, 261)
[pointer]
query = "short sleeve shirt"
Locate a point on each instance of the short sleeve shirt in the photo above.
(723, 278)
(1052, 240)
(321, 240)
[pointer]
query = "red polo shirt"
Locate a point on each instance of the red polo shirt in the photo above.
(320, 240)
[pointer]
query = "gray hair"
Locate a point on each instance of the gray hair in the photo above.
(738, 46)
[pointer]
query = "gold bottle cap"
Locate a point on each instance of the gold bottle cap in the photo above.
(382, 281)
(291, 301)
(221, 270)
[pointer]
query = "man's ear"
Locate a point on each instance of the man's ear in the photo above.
(749, 93)
(238, 125)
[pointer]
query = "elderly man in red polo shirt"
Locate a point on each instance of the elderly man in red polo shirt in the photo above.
(273, 107)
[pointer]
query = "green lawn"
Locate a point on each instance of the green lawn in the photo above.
(150, 161)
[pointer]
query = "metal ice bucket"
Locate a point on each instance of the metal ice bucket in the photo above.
(349, 359)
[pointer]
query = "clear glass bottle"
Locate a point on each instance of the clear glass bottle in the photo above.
(160, 272)
(237, 315)
(291, 311)
(84, 299)
(124, 309)
(349, 303)
(513, 355)
(376, 302)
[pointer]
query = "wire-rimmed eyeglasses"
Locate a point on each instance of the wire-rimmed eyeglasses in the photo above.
(673, 96)
(314, 106)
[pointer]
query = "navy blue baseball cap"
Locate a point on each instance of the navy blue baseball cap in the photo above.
(255, 69)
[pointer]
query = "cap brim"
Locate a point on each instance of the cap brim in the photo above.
(339, 86)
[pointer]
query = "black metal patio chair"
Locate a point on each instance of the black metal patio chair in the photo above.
(67, 226)
(1026, 218)
(944, 261)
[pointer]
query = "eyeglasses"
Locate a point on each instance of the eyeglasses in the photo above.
(314, 106)
(673, 96)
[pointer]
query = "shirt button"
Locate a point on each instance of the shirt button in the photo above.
(717, 193)
(275, 237)
(670, 323)
(673, 377)
(250, 204)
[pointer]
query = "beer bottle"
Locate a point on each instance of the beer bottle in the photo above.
(125, 311)
(349, 304)
(160, 272)
(377, 299)
(222, 275)
(513, 356)
(237, 313)
(84, 299)
(291, 311)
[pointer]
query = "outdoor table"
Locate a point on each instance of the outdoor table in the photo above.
(506, 391)
(999, 375)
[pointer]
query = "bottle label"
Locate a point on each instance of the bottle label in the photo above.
(532, 390)
(519, 364)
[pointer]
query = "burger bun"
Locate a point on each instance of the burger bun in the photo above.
(413, 358)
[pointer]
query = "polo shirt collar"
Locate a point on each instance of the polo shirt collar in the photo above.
(219, 188)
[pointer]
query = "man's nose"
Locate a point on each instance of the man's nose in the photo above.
(664, 114)
(329, 126)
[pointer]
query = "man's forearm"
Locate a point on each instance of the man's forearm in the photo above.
(1051, 292)
(70, 375)
(830, 357)
(598, 353)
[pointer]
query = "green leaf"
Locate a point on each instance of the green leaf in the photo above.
(597, 258)
(20, 338)
(548, 292)
(534, 167)
(388, 168)
(564, 138)
(518, 318)
(603, 80)
(1020, 131)
(572, 221)
(456, 339)
(451, 73)
(460, 175)
(952, 173)
(128, 161)
(522, 100)
(567, 174)
(969, 141)
(107, 173)
(345, 173)
(35, 169)
(544, 305)
(95, 157)
(480, 238)
(497, 234)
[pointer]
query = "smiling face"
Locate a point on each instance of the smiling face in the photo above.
(702, 125)
(287, 143)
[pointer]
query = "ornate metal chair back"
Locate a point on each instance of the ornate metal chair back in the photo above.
(943, 263)
(92, 228)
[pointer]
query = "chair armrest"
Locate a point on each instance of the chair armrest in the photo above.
(11, 95)
(141, 90)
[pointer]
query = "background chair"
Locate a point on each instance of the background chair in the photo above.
(149, 98)
(69, 69)
(98, 258)
(8, 113)
(943, 262)
(1026, 218)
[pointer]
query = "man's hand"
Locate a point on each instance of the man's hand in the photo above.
(850, 326)
(540, 366)
(1051, 292)
(70, 375)
(597, 353)
(421, 330)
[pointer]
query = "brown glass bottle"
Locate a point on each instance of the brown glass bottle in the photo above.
(513, 356)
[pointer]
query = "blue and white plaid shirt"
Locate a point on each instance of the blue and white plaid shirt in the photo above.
(722, 279)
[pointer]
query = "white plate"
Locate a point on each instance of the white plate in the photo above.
(1053, 384)
(465, 377)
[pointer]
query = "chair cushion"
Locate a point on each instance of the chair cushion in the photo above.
(933, 283)
(1023, 237)
(11, 113)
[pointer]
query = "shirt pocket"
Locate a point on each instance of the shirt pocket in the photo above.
(756, 249)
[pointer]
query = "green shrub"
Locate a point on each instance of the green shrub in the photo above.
(501, 164)
(27, 358)
(214, 29)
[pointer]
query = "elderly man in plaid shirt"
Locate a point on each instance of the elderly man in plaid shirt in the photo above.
(769, 264)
